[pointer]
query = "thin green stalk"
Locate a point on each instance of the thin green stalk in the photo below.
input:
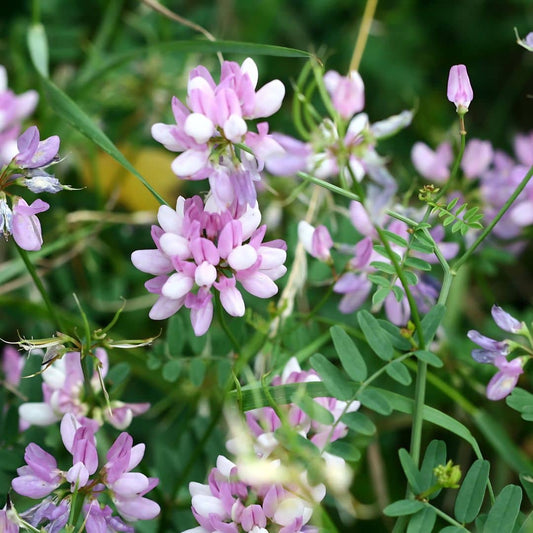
(40, 287)
(36, 11)
(462, 260)
(455, 168)
(333, 188)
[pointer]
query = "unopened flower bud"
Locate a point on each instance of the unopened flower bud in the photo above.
(459, 89)
(448, 475)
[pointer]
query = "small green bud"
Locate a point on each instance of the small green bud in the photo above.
(448, 475)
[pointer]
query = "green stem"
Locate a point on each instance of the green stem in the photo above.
(40, 287)
(36, 11)
(455, 168)
(462, 260)
(448, 518)
(329, 186)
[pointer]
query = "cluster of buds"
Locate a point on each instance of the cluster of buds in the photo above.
(212, 124)
(199, 249)
(495, 352)
(41, 478)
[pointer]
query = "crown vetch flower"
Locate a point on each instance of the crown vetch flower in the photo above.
(347, 92)
(199, 249)
(34, 153)
(214, 119)
(504, 381)
(459, 89)
(433, 165)
(41, 476)
(13, 109)
(25, 225)
(63, 393)
(477, 157)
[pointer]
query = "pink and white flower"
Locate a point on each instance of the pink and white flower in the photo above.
(199, 249)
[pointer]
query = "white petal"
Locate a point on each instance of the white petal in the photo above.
(235, 128)
(151, 261)
(175, 245)
(205, 274)
(199, 127)
(268, 99)
(177, 286)
(189, 162)
(249, 67)
(37, 414)
(242, 257)
(162, 133)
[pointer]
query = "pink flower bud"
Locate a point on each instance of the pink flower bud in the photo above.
(459, 89)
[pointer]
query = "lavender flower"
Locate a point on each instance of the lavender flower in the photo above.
(496, 352)
(432, 165)
(41, 476)
(347, 92)
(13, 109)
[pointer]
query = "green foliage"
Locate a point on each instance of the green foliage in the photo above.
(503, 514)
(472, 492)
(349, 355)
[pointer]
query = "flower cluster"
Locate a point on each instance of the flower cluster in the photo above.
(343, 145)
(260, 491)
(200, 248)
(263, 422)
(213, 122)
(40, 477)
(497, 175)
(224, 504)
(356, 281)
(23, 159)
(64, 391)
(495, 352)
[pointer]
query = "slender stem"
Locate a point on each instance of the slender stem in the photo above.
(418, 408)
(462, 260)
(36, 11)
(333, 188)
(362, 36)
(455, 168)
(40, 287)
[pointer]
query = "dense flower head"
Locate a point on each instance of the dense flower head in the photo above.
(213, 120)
(229, 504)
(199, 249)
(265, 420)
(63, 392)
(344, 149)
(41, 476)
